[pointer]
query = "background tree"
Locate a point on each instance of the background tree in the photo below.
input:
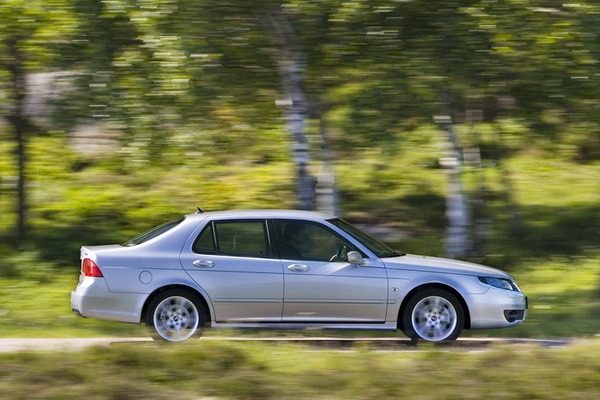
(33, 35)
(191, 85)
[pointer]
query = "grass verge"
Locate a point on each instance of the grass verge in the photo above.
(230, 370)
(563, 293)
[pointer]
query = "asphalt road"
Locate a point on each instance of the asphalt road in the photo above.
(18, 344)
(466, 344)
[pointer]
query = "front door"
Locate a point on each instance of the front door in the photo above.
(320, 285)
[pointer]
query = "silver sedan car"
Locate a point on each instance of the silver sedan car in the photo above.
(286, 269)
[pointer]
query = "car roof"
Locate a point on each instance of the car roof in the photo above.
(273, 213)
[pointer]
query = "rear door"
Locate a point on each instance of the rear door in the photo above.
(233, 261)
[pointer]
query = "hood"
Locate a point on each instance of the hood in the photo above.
(441, 265)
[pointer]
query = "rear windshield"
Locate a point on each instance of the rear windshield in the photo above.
(152, 233)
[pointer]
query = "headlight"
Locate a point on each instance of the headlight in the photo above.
(500, 283)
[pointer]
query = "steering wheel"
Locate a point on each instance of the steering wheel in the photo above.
(341, 254)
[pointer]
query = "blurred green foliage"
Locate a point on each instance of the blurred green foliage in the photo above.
(156, 107)
(160, 106)
(79, 199)
(228, 370)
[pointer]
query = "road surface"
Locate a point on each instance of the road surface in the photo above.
(72, 344)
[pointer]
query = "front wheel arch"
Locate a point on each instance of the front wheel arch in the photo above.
(451, 290)
(434, 315)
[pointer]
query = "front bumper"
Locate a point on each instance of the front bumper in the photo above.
(498, 308)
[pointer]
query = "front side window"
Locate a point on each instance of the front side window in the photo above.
(305, 240)
(234, 238)
(380, 249)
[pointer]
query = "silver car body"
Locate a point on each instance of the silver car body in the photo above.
(274, 291)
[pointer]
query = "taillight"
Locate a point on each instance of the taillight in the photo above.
(89, 268)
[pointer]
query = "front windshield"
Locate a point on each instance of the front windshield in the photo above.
(152, 233)
(381, 250)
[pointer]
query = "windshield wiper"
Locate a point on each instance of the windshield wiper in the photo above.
(393, 253)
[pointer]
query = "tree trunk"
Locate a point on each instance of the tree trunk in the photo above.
(21, 127)
(327, 196)
(457, 205)
(291, 65)
(21, 186)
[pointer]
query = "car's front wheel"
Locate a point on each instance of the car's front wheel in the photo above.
(434, 315)
(174, 316)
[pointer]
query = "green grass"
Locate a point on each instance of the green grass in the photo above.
(565, 302)
(34, 308)
(234, 370)
(564, 299)
(554, 255)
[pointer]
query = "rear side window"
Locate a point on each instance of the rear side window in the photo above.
(247, 238)
(205, 243)
(152, 233)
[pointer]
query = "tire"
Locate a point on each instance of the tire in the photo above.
(433, 315)
(174, 316)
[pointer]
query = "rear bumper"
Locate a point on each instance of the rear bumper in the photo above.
(91, 299)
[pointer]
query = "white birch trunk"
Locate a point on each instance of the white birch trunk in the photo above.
(291, 65)
(457, 204)
(327, 196)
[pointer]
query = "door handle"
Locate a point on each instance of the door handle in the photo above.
(203, 264)
(298, 268)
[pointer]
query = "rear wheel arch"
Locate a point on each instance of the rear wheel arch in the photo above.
(449, 289)
(182, 289)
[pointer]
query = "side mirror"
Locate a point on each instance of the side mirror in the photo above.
(354, 257)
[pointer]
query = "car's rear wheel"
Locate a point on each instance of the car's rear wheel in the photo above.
(174, 316)
(434, 315)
